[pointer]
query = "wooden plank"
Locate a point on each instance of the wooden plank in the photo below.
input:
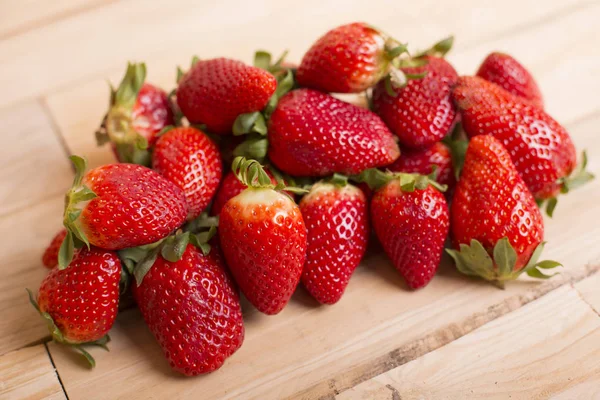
(17, 17)
(170, 31)
(25, 235)
(28, 374)
(548, 347)
(560, 63)
(590, 291)
(34, 166)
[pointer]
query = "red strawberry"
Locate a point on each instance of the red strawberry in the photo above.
(120, 205)
(422, 112)
(193, 309)
(540, 147)
(423, 161)
(80, 303)
(348, 59)
(314, 134)
(497, 227)
(231, 187)
(336, 218)
(189, 159)
(264, 240)
(138, 112)
(410, 218)
(509, 74)
(50, 257)
(214, 92)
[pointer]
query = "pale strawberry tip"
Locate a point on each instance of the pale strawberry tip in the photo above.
(500, 265)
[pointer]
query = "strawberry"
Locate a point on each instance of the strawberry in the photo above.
(192, 308)
(421, 113)
(336, 218)
(50, 257)
(137, 112)
(231, 187)
(497, 228)
(410, 217)
(264, 239)
(215, 92)
(119, 205)
(189, 159)
(314, 134)
(509, 74)
(424, 161)
(540, 148)
(80, 303)
(348, 59)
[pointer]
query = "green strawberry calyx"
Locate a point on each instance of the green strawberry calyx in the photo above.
(59, 337)
(499, 265)
(117, 126)
(252, 174)
(439, 49)
(409, 182)
(254, 124)
(75, 200)
(139, 260)
(579, 177)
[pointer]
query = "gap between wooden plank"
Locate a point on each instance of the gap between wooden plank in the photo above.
(582, 297)
(55, 127)
(56, 371)
(439, 338)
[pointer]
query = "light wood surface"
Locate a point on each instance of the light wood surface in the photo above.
(55, 58)
(28, 374)
(546, 348)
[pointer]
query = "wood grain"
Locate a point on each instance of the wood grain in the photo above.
(547, 347)
(589, 289)
(28, 374)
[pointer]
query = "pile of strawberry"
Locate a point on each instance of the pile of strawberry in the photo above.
(295, 179)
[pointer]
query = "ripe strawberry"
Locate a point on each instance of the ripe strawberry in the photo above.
(119, 205)
(424, 161)
(422, 112)
(264, 239)
(497, 227)
(138, 112)
(50, 257)
(540, 147)
(80, 303)
(215, 92)
(509, 74)
(336, 218)
(193, 310)
(314, 134)
(189, 159)
(231, 187)
(348, 59)
(410, 217)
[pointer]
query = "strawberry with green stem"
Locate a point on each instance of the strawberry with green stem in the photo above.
(497, 228)
(349, 59)
(138, 111)
(80, 303)
(263, 237)
(410, 217)
(540, 148)
(117, 206)
(337, 223)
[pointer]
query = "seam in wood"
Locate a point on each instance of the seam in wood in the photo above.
(437, 339)
(54, 125)
(56, 371)
(42, 22)
(582, 297)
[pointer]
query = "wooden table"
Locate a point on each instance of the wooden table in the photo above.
(455, 339)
